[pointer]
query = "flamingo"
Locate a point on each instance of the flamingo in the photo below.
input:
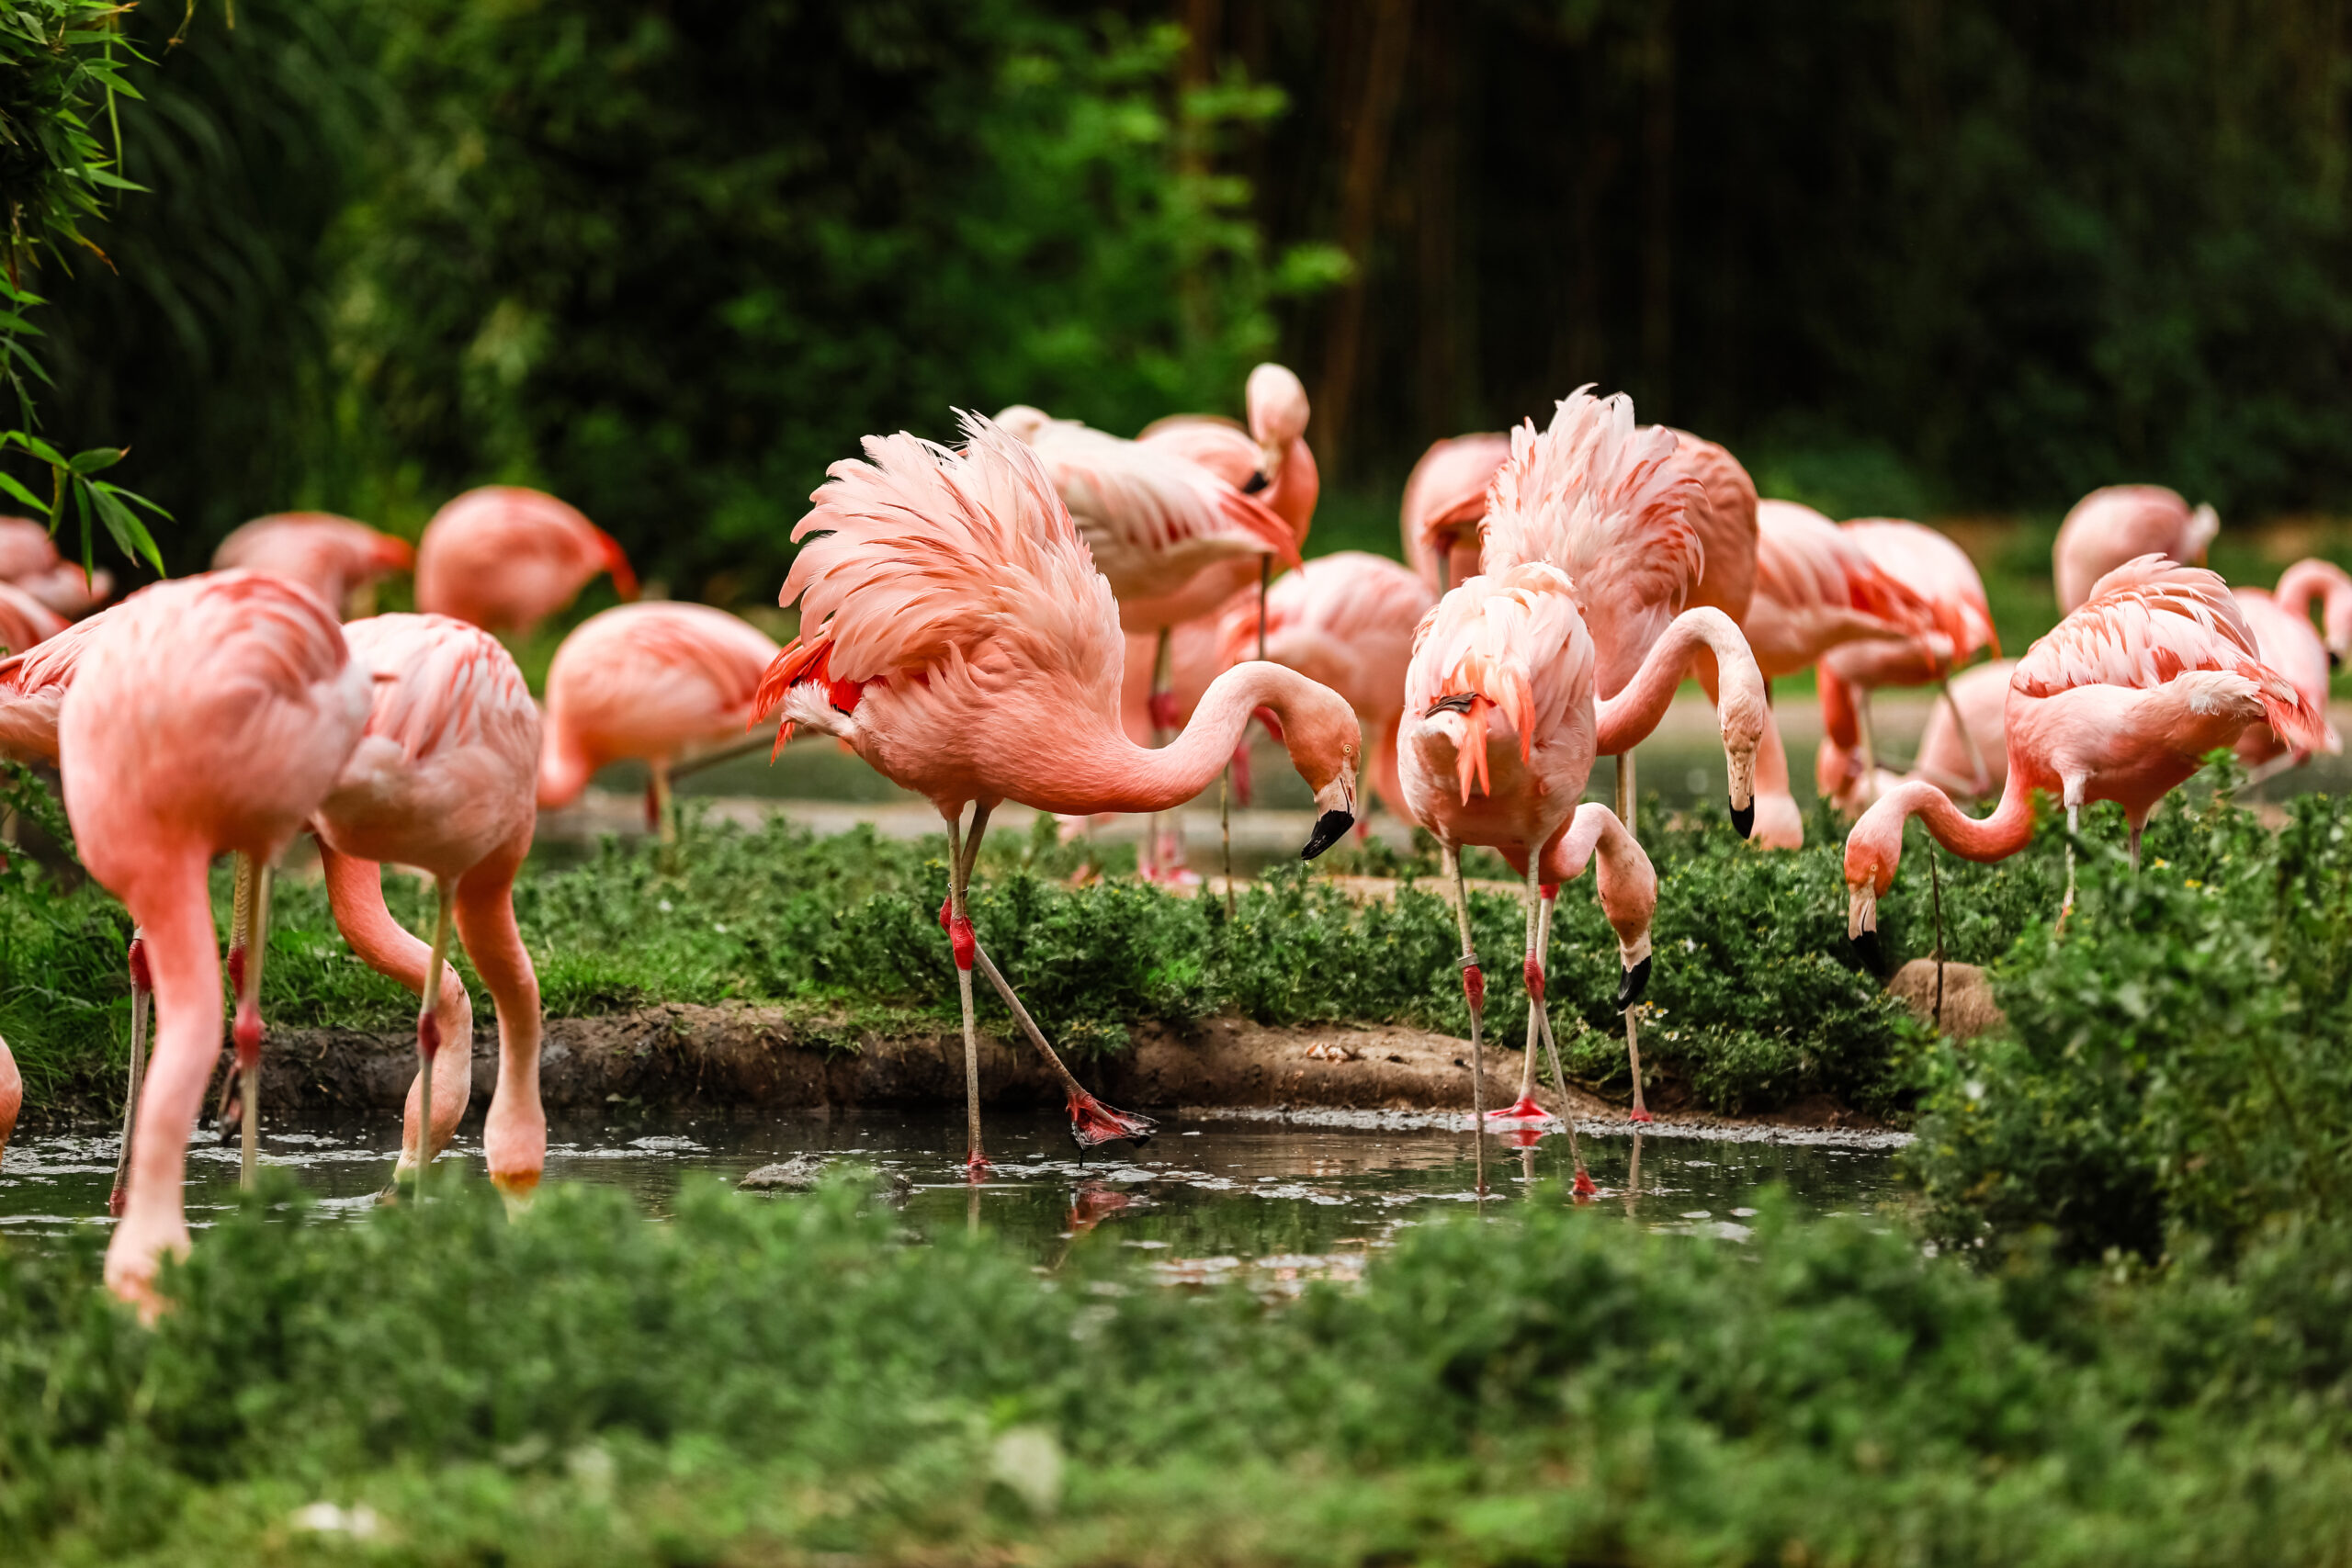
(648, 680)
(28, 558)
(1816, 589)
(12, 1095)
(2119, 701)
(506, 558)
(1156, 522)
(954, 633)
(2118, 523)
(1501, 725)
(2314, 578)
(444, 779)
(335, 558)
(25, 620)
(176, 698)
(1446, 503)
(1346, 622)
(2285, 642)
(1945, 580)
(1963, 751)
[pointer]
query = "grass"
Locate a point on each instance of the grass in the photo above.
(758, 1381)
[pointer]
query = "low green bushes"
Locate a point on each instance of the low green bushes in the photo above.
(758, 1381)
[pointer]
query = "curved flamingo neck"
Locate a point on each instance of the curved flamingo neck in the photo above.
(1625, 720)
(1106, 772)
(1839, 720)
(1996, 837)
(2310, 579)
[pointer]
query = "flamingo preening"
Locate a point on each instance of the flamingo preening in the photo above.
(506, 558)
(335, 558)
(2119, 701)
(2122, 523)
(956, 634)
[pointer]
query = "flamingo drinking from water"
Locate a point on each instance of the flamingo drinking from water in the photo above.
(506, 558)
(208, 715)
(2122, 523)
(1500, 724)
(649, 682)
(2119, 701)
(956, 634)
(335, 558)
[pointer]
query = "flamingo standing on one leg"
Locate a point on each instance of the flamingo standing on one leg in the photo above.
(506, 558)
(1346, 622)
(335, 558)
(2314, 578)
(2119, 701)
(2285, 642)
(444, 779)
(1156, 522)
(176, 698)
(648, 680)
(2122, 523)
(1938, 572)
(28, 558)
(1635, 570)
(1964, 750)
(954, 633)
(1500, 724)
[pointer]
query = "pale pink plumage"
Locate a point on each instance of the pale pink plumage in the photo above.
(1151, 520)
(2120, 701)
(2314, 578)
(1817, 588)
(442, 779)
(32, 687)
(206, 716)
(1445, 502)
(505, 558)
(25, 620)
(647, 682)
(1723, 514)
(29, 560)
(333, 557)
(1939, 574)
(2286, 643)
(2120, 522)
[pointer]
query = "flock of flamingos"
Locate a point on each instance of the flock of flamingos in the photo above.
(1083, 624)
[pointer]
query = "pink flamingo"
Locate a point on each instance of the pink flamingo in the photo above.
(2122, 523)
(506, 558)
(954, 633)
(2331, 585)
(25, 620)
(2119, 701)
(28, 558)
(1345, 621)
(1939, 573)
(1501, 725)
(444, 779)
(1723, 513)
(1963, 751)
(335, 558)
(2285, 642)
(1268, 458)
(1446, 505)
(12, 1095)
(174, 699)
(1156, 522)
(650, 681)
(1816, 589)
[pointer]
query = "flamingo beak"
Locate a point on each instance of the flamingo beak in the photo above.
(1336, 805)
(1633, 984)
(1741, 766)
(1862, 923)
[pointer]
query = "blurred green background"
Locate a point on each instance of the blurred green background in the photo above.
(669, 258)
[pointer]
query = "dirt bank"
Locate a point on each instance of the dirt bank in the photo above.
(683, 1057)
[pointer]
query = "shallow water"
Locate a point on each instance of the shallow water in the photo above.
(1279, 1199)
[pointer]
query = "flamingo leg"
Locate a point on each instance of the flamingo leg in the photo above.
(1627, 790)
(2074, 826)
(1867, 737)
(1583, 1187)
(1474, 991)
(965, 947)
(248, 1027)
(142, 986)
(1980, 776)
(1161, 704)
(428, 1028)
(1539, 911)
(1640, 1112)
(1633, 1178)
(659, 801)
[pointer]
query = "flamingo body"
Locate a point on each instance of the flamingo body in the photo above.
(647, 682)
(2287, 643)
(333, 557)
(505, 558)
(25, 620)
(1722, 513)
(2120, 522)
(176, 699)
(1445, 504)
(29, 560)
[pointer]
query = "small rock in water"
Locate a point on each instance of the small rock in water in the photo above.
(802, 1173)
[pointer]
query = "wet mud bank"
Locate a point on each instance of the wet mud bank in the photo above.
(688, 1057)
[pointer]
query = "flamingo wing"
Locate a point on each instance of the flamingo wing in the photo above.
(1152, 518)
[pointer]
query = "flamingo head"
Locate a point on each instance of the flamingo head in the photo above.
(2335, 622)
(1277, 404)
(1873, 851)
(1326, 743)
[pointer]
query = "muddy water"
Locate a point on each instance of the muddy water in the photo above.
(1278, 1200)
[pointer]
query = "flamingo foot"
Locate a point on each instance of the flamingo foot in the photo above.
(976, 1167)
(1583, 1187)
(1640, 1113)
(1092, 1122)
(1524, 1108)
(116, 1202)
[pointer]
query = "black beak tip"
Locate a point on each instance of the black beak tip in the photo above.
(1866, 944)
(1632, 985)
(1743, 818)
(1330, 829)
(2334, 659)
(1258, 482)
